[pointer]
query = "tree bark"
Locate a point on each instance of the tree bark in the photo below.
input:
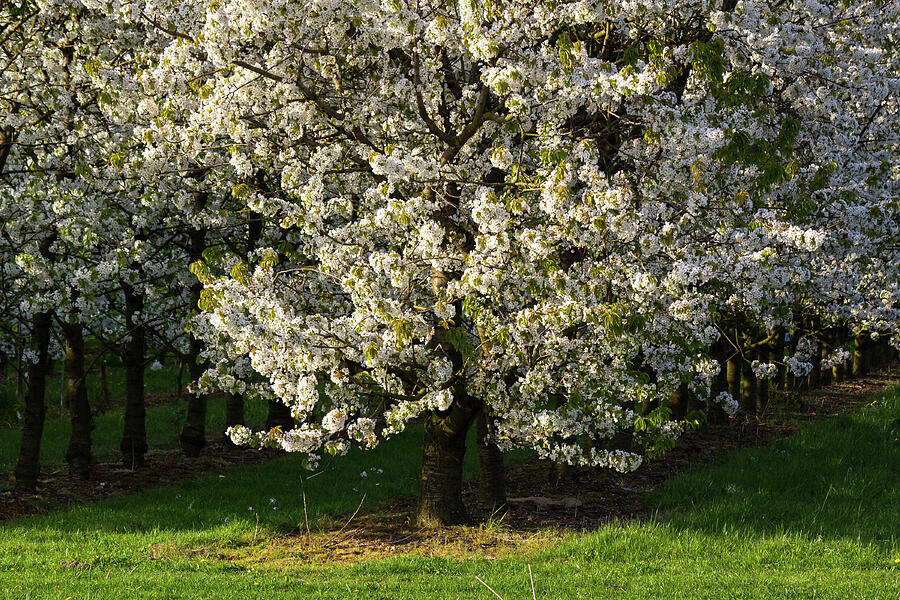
(440, 484)
(279, 415)
(824, 351)
(860, 348)
(134, 433)
(79, 453)
(28, 465)
(762, 385)
(234, 414)
(714, 412)
(678, 402)
(748, 402)
(838, 371)
(491, 470)
(193, 435)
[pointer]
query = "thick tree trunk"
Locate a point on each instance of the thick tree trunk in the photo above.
(79, 453)
(134, 433)
(491, 470)
(440, 485)
(28, 465)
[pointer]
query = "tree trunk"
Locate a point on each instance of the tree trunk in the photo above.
(824, 351)
(860, 347)
(777, 357)
(134, 433)
(678, 402)
(748, 401)
(79, 453)
(279, 415)
(28, 465)
(193, 435)
(714, 412)
(491, 470)
(104, 384)
(234, 414)
(440, 484)
(762, 385)
(838, 371)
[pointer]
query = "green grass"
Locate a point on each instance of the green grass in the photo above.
(164, 422)
(813, 516)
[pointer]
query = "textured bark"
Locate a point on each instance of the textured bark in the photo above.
(234, 414)
(79, 453)
(491, 470)
(714, 412)
(860, 351)
(678, 402)
(134, 433)
(777, 357)
(748, 402)
(440, 484)
(279, 415)
(28, 465)
(193, 434)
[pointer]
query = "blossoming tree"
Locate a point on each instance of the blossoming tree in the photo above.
(529, 210)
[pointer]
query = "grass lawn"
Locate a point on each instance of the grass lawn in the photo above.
(816, 515)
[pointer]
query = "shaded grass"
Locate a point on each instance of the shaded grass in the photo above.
(164, 423)
(813, 516)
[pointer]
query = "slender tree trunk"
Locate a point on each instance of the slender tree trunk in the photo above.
(79, 453)
(234, 414)
(714, 412)
(28, 466)
(134, 433)
(762, 385)
(733, 375)
(777, 357)
(838, 371)
(20, 369)
(104, 384)
(491, 470)
(193, 435)
(860, 348)
(748, 402)
(678, 402)
(825, 350)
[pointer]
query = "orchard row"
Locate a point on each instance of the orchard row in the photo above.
(583, 225)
